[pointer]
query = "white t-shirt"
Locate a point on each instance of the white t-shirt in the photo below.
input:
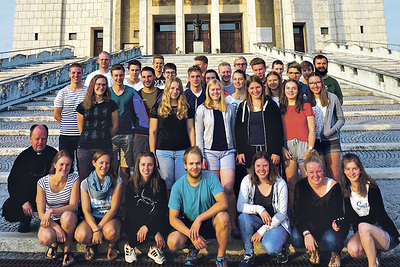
(234, 102)
(94, 73)
(360, 204)
(137, 86)
(68, 100)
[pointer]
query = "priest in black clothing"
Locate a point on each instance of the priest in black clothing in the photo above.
(32, 164)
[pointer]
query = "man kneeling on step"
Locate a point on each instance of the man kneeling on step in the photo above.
(197, 206)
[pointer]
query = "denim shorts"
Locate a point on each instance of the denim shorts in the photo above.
(325, 147)
(123, 149)
(220, 160)
(390, 242)
(297, 148)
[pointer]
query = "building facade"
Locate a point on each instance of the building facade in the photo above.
(166, 26)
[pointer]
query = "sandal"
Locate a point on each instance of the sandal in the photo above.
(89, 253)
(314, 259)
(68, 259)
(51, 253)
(335, 260)
(112, 252)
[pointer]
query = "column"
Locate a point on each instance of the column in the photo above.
(179, 26)
(107, 26)
(215, 33)
(287, 25)
(143, 36)
(251, 25)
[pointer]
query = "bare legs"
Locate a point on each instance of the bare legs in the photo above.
(292, 178)
(227, 178)
(367, 240)
(111, 232)
(332, 165)
(221, 224)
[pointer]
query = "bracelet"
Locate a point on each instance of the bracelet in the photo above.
(98, 230)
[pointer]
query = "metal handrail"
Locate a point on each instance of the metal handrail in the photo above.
(38, 48)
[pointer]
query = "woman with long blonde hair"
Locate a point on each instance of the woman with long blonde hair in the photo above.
(171, 131)
(215, 124)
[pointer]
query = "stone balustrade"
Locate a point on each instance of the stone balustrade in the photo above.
(44, 56)
(377, 80)
(380, 52)
(36, 84)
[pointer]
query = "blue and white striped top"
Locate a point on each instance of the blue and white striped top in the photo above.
(68, 100)
(60, 199)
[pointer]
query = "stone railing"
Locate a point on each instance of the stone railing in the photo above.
(374, 79)
(379, 52)
(22, 89)
(50, 53)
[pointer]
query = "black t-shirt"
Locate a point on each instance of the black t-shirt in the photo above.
(160, 81)
(265, 201)
(97, 124)
(219, 136)
(172, 133)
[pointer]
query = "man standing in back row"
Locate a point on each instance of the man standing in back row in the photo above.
(104, 63)
(331, 84)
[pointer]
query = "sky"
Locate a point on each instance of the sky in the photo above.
(392, 13)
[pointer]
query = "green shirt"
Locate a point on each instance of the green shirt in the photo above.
(332, 85)
(149, 99)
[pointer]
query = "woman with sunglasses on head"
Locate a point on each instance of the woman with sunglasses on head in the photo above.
(146, 210)
(97, 122)
(57, 199)
(101, 194)
(374, 231)
(328, 137)
(171, 131)
(317, 205)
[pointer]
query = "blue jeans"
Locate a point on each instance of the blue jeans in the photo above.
(85, 157)
(272, 241)
(331, 240)
(171, 167)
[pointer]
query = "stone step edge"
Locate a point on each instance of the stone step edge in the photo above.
(345, 148)
(357, 127)
(375, 173)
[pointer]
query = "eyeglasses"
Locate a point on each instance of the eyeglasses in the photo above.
(100, 84)
(312, 84)
(294, 73)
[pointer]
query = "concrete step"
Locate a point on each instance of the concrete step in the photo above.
(356, 93)
(371, 113)
(369, 102)
(49, 107)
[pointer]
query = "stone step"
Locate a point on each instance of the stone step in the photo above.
(369, 113)
(356, 93)
(49, 107)
(368, 102)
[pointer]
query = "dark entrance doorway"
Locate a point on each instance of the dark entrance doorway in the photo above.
(164, 38)
(298, 31)
(98, 42)
(231, 36)
(205, 37)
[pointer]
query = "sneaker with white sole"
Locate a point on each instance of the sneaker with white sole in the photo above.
(130, 254)
(157, 255)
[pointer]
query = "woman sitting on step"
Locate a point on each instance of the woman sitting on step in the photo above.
(100, 197)
(57, 199)
(374, 231)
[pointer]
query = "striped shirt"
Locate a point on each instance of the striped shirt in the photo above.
(60, 199)
(68, 100)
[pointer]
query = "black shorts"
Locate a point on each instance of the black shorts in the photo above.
(207, 230)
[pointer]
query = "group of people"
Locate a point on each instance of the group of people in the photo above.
(188, 147)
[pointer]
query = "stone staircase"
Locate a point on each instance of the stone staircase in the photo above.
(372, 131)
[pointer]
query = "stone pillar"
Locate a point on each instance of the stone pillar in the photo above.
(179, 27)
(143, 36)
(252, 28)
(215, 33)
(107, 25)
(287, 26)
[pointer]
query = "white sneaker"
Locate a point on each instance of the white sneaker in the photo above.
(157, 255)
(130, 255)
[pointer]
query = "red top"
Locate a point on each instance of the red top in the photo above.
(295, 124)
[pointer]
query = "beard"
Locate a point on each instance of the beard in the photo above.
(322, 73)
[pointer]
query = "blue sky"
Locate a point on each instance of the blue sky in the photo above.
(392, 12)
